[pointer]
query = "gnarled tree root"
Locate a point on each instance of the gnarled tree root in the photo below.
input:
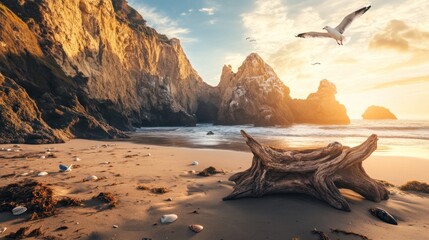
(316, 172)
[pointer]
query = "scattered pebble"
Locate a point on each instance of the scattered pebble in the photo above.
(76, 159)
(147, 155)
(41, 174)
(24, 174)
(196, 228)
(65, 168)
(169, 199)
(19, 210)
(90, 178)
(42, 157)
(169, 218)
(3, 229)
(115, 226)
(210, 133)
(195, 163)
(16, 146)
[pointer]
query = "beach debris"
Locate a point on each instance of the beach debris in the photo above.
(322, 235)
(24, 174)
(363, 237)
(383, 215)
(169, 199)
(105, 163)
(65, 168)
(108, 198)
(415, 186)
(210, 133)
(36, 197)
(24, 233)
(62, 228)
(19, 210)
(17, 150)
(115, 226)
(8, 175)
(209, 171)
(157, 190)
(42, 157)
(195, 163)
(90, 178)
(168, 218)
(196, 228)
(16, 146)
(76, 159)
(41, 174)
(3, 229)
(147, 155)
(334, 165)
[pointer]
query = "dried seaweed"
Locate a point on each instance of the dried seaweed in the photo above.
(415, 186)
(350, 233)
(209, 171)
(23, 233)
(322, 235)
(108, 198)
(157, 190)
(38, 198)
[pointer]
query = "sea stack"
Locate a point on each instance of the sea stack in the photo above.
(378, 113)
(253, 95)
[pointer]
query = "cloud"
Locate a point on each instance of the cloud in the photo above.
(208, 11)
(399, 36)
(162, 23)
(401, 82)
(187, 13)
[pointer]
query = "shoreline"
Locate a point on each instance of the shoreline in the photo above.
(280, 216)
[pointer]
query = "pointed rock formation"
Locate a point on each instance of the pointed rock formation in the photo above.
(253, 95)
(320, 107)
(378, 113)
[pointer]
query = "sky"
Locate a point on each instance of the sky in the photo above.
(384, 62)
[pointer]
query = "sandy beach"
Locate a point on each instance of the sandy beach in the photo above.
(122, 166)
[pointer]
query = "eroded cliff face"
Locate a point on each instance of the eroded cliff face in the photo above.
(96, 63)
(320, 107)
(21, 121)
(253, 95)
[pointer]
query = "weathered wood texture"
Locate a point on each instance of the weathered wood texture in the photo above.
(316, 172)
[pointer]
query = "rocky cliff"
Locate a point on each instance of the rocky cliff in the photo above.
(320, 107)
(377, 112)
(253, 95)
(93, 67)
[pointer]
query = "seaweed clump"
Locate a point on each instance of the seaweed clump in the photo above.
(415, 186)
(108, 198)
(36, 197)
(209, 171)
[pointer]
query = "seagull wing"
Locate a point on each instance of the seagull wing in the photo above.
(349, 19)
(313, 35)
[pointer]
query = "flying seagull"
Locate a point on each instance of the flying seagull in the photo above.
(337, 32)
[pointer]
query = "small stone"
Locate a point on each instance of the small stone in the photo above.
(90, 178)
(169, 218)
(41, 174)
(115, 226)
(195, 163)
(147, 155)
(210, 133)
(42, 157)
(169, 199)
(3, 229)
(196, 228)
(76, 159)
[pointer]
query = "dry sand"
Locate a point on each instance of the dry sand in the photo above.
(199, 199)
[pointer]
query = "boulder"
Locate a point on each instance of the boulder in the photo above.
(377, 112)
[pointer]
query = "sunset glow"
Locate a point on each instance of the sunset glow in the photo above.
(384, 63)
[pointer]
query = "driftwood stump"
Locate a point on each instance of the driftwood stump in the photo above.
(316, 172)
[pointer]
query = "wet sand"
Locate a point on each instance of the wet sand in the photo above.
(198, 199)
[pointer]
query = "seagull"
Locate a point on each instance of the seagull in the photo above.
(337, 32)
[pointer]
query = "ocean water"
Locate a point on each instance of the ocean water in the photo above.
(396, 137)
